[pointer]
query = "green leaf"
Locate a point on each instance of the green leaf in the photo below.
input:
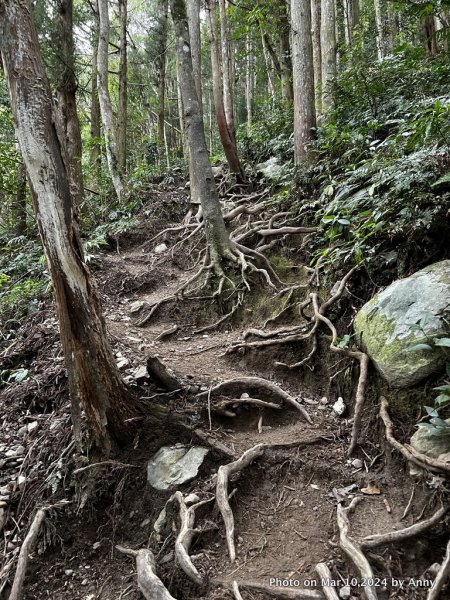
(438, 422)
(442, 399)
(445, 342)
(19, 375)
(432, 412)
(418, 348)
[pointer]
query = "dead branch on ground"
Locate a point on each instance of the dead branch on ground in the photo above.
(325, 575)
(223, 475)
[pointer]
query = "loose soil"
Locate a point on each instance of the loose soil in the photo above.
(283, 503)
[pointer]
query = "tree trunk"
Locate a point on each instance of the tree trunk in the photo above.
(66, 87)
(285, 51)
(122, 115)
(227, 69)
(379, 29)
(216, 233)
(303, 76)
(249, 83)
(105, 99)
(328, 47)
(429, 35)
(269, 66)
(21, 201)
(95, 105)
(161, 65)
(228, 143)
(193, 12)
(94, 380)
(317, 54)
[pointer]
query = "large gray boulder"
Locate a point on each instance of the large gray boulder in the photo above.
(387, 326)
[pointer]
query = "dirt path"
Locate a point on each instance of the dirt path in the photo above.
(284, 503)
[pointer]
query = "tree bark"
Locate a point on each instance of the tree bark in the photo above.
(66, 87)
(328, 47)
(21, 201)
(303, 77)
(95, 105)
(122, 115)
(429, 35)
(317, 53)
(285, 51)
(161, 65)
(249, 83)
(227, 69)
(105, 100)
(379, 29)
(94, 380)
(216, 233)
(228, 142)
(193, 13)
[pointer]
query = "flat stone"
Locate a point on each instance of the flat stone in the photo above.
(339, 407)
(140, 375)
(345, 592)
(172, 466)
(160, 248)
(33, 426)
(122, 363)
(137, 306)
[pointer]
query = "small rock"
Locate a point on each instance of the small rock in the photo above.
(339, 407)
(84, 582)
(21, 480)
(244, 396)
(22, 431)
(160, 248)
(33, 426)
(3, 504)
(191, 499)
(122, 363)
(324, 400)
(141, 375)
(173, 466)
(145, 522)
(345, 592)
(96, 545)
(20, 450)
(68, 572)
(137, 306)
(357, 463)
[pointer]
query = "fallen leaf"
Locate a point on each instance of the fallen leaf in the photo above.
(371, 490)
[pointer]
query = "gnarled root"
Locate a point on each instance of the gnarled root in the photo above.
(280, 592)
(411, 455)
(325, 575)
(441, 577)
(352, 549)
(223, 475)
(186, 535)
(257, 383)
(149, 583)
(373, 541)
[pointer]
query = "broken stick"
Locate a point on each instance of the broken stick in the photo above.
(149, 583)
(223, 475)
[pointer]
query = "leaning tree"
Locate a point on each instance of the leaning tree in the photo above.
(94, 379)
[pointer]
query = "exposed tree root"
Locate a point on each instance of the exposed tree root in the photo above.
(223, 406)
(223, 475)
(352, 549)
(166, 333)
(149, 583)
(394, 537)
(186, 535)
(411, 455)
(257, 383)
(363, 371)
(282, 592)
(24, 555)
(325, 575)
(236, 592)
(441, 577)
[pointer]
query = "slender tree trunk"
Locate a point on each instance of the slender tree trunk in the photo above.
(249, 83)
(20, 208)
(271, 51)
(95, 105)
(317, 54)
(193, 12)
(181, 117)
(227, 69)
(216, 233)
(66, 86)
(429, 35)
(228, 142)
(105, 100)
(162, 59)
(94, 380)
(379, 29)
(303, 76)
(122, 115)
(269, 67)
(285, 51)
(328, 48)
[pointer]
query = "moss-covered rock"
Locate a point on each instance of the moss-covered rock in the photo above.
(388, 326)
